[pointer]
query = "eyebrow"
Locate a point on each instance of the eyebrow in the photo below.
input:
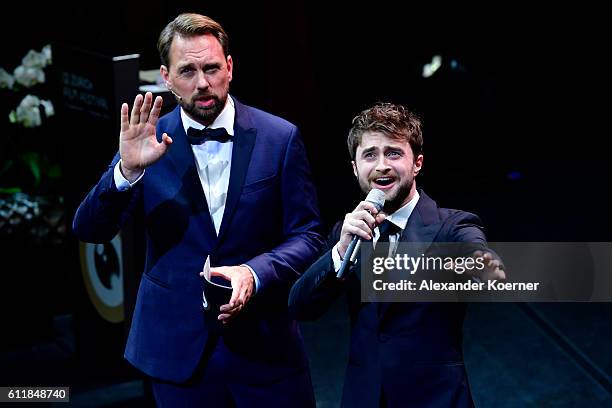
(368, 150)
(180, 66)
(193, 65)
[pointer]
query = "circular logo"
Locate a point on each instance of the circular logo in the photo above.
(102, 269)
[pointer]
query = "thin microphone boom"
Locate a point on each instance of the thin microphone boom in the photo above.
(180, 98)
(376, 197)
(175, 94)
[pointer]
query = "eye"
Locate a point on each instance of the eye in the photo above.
(394, 154)
(211, 69)
(369, 155)
(186, 71)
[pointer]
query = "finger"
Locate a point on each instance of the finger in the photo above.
(361, 233)
(380, 217)
(366, 225)
(368, 206)
(136, 110)
(235, 293)
(349, 227)
(496, 267)
(361, 225)
(365, 216)
(224, 317)
(146, 107)
(125, 121)
(227, 308)
(156, 110)
(244, 297)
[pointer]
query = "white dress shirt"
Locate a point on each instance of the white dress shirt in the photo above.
(213, 161)
(399, 218)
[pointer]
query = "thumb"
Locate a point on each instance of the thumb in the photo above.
(163, 146)
(380, 217)
(221, 272)
(166, 139)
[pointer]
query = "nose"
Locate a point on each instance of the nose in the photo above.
(382, 165)
(202, 81)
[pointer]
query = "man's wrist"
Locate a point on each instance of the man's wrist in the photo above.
(336, 257)
(130, 175)
(256, 282)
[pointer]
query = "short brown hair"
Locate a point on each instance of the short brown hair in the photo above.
(189, 25)
(395, 121)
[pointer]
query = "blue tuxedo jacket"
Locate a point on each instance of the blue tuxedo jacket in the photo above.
(270, 223)
(409, 352)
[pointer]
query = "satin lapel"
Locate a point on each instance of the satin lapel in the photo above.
(424, 222)
(181, 156)
(244, 140)
(417, 231)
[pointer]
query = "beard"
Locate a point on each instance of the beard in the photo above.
(394, 201)
(205, 115)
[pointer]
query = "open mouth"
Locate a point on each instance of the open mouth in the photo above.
(205, 102)
(383, 182)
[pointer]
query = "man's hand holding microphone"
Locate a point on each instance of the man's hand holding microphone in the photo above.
(359, 225)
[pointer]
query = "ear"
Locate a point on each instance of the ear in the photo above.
(417, 165)
(230, 67)
(355, 168)
(165, 74)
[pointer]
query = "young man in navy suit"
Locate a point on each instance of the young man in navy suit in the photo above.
(214, 178)
(401, 354)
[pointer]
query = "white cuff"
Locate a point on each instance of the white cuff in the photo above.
(336, 258)
(121, 182)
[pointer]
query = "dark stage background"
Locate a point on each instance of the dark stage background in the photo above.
(515, 129)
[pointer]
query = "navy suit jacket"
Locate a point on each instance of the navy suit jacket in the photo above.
(410, 352)
(270, 223)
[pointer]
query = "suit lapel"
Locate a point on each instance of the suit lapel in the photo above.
(244, 140)
(183, 161)
(424, 222)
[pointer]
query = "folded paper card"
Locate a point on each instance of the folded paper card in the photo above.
(217, 291)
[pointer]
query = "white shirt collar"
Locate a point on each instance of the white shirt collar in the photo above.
(400, 217)
(224, 120)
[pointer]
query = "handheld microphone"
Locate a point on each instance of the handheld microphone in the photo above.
(376, 197)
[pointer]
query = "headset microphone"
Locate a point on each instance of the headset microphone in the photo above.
(174, 93)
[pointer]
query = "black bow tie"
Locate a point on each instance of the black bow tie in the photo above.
(197, 137)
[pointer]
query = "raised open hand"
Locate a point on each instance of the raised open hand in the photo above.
(138, 145)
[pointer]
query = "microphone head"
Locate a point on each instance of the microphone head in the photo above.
(376, 197)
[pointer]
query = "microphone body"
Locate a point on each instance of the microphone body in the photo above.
(376, 197)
